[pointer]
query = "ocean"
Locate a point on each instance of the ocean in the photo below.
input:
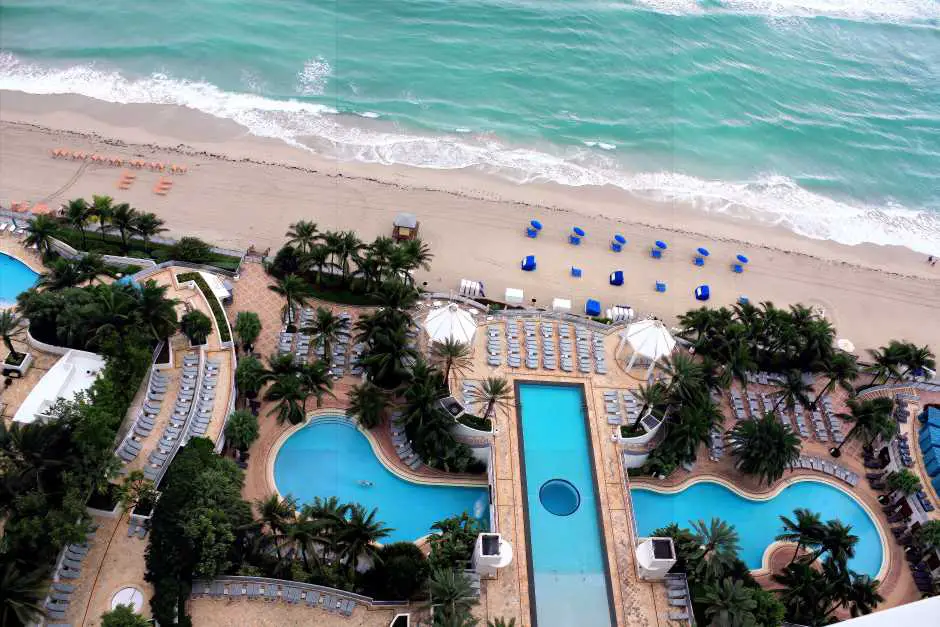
(822, 116)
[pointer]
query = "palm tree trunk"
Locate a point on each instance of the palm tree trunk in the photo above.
(277, 545)
(447, 365)
(124, 241)
(825, 390)
(303, 554)
(639, 417)
(489, 407)
(82, 231)
(779, 401)
(9, 342)
(799, 545)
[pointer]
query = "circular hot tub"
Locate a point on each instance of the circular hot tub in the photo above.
(559, 497)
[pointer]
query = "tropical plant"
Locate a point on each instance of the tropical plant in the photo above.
(102, 208)
(414, 254)
(685, 381)
(148, 225)
(886, 362)
(303, 235)
(277, 515)
(805, 593)
(388, 356)
(793, 390)
(838, 541)
(241, 429)
(501, 622)
(250, 376)
(927, 535)
(124, 219)
(62, 273)
(40, 233)
(316, 380)
(399, 572)
(806, 529)
(21, 593)
(719, 544)
(123, 616)
(157, 312)
(318, 259)
(327, 327)
(291, 397)
(190, 249)
(863, 595)
(90, 266)
(842, 370)
(655, 398)
(10, 329)
(294, 291)
(452, 356)
(870, 419)
(902, 482)
(367, 403)
(247, 328)
(360, 535)
(451, 593)
(729, 604)
(917, 359)
(764, 447)
(136, 489)
(494, 393)
(452, 541)
(78, 214)
(196, 326)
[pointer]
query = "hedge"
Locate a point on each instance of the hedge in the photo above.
(224, 332)
(476, 422)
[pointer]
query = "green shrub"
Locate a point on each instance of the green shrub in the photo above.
(400, 573)
(476, 422)
(190, 249)
(214, 304)
(196, 326)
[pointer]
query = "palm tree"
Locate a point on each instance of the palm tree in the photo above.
(451, 591)
(396, 296)
(729, 604)
(21, 593)
(740, 361)
(40, 232)
(277, 515)
(367, 403)
(655, 398)
(102, 209)
(927, 535)
(719, 546)
(148, 225)
(250, 376)
(863, 595)
(247, 328)
(241, 429)
(886, 361)
(10, 329)
(902, 482)
(793, 390)
(157, 312)
(316, 380)
(345, 247)
(388, 357)
(686, 376)
(918, 359)
(90, 266)
(805, 529)
(452, 356)
(842, 370)
(494, 392)
(327, 327)
(501, 622)
(197, 326)
(318, 258)
(805, 592)
(291, 395)
(303, 235)
(294, 291)
(124, 219)
(838, 541)
(63, 273)
(360, 535)
(764, 447)
(304, 533)
(871, 418)
(78, 213)
(415, 254)
(691, 427)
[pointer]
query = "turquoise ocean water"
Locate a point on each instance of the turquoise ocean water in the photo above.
(819, 115)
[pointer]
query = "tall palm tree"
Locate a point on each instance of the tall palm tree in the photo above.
(91, 266)
(886, 362)
(805, 592)
(451, 591)
(124, 219)
(10, 329)
(329, 517)
(40, 232)
(838, 541)
(719, 546)
(21, 593)
(902, 482)
(291, 395)
(303, 235)
(148, 225)
(316, 380)
(416, 254)
(871, 418)
(452, 356)
(63, 273)
(863, 595)
(764, 447)
(655, 398)
(294, 291)
(304, 533)
(367, 403)
(729, 604)
(739, 362)
(318, 258)
(327, 328)
(918, 359)
(691, 427)
(103, 209)
(793, 390)
(250, 376)
(388, 357)
(494, 393)
(805, 529)
(928, 535)
(396, 296)
(685, 376)
(347, 248)
(360, 535)
(277, 515)
(842, 369)
(78, 213)
(157, 312)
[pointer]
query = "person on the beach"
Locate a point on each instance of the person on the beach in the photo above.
(930, 260)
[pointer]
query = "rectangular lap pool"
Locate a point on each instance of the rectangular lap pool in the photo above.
(568, 573)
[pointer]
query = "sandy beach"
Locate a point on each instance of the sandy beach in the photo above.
(241, 190)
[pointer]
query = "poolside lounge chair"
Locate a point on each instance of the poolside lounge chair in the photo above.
(63, 587)
(679, 602)
(313, 598)
(70, 574)
(677, 593)
(679, 616)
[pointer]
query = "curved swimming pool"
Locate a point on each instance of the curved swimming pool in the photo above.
(15, 277)
(330, 457)
(758, 521)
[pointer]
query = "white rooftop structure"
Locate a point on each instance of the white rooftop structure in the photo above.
(648, 338)
(217, 286)
(450, 322)
(514, 296)
(923, 612)
(73, 373)
(561, 304)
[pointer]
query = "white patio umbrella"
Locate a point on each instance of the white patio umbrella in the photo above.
(647, 338)
(450, 321)
(846, 345)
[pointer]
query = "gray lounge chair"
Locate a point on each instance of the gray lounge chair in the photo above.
(63, 587)
(313, 598)
(270, 592)
(679, 602)
(678, 616)
(70, 574)
(677, 593)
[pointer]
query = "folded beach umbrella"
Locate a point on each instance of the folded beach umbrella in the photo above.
(742, 258)
(702, 292)
(616, 277)
(533, 229)
(703, 252)
(528, 263)
(661, 245)
(578, 231)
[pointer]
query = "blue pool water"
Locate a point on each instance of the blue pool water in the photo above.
(329, 457)
(566, 556)
(758, 522)
(15, 277)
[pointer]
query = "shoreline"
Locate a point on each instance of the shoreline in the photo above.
(241, 189)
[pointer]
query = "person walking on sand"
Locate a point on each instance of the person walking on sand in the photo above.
(930, 259)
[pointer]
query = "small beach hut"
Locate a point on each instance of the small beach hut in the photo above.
(513, 296)
(592, 307)
(404, 227)
(648, 338)
(702, 292)
(618, 243)
(450, 322)
(577, 233)
(616, 277)
(656, 252)
(533, 229)
(561, 305)
(699, 259)
(528, 263)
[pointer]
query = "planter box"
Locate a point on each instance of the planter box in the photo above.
(20, 370)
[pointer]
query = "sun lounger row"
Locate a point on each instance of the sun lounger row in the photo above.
(827, 467)
(677, 593)
(765, 378)
(468, 390)
(134, 529)
(12, 229)
(620, 405)
(402, 444)
(69, 568)
(164, 448)
(904, 452)
(333, 602)
(205, 401)
(716, 446)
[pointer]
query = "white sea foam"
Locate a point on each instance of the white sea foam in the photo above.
(769, 199)
(462, 129)
(372, 115)
(866, 10)
(311, 81)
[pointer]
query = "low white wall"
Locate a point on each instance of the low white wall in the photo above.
(42, 346)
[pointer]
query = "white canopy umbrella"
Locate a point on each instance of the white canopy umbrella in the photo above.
(450, 321)
(846, 345)
(648, 338)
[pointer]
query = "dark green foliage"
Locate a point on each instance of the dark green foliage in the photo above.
(764, 447)
(247, 327)
(123, 616)
(452, 547)
(241, 429)
(190, 249)
(224, 332)
(367, 403)
(196, 326)
(401, 572)
(475, 422)
(250, 375)
(286, 261)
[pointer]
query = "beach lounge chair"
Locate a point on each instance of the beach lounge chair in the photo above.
(69, 574)
(677, 593)
(347, 608)
(313, 598)
(63, 587)
(683, 602)
(679, 616)
(253, 590)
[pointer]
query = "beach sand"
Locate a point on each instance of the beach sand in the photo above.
(241, 190)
